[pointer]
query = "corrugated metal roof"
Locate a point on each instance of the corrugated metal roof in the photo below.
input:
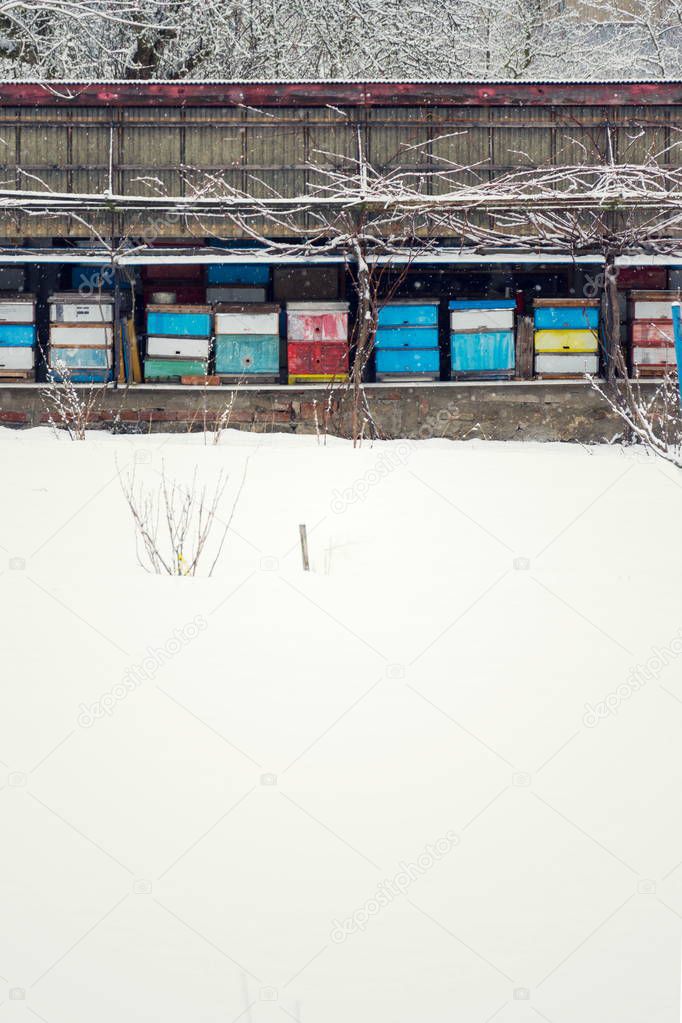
(142, 83)
(317, 93)
(350, 93)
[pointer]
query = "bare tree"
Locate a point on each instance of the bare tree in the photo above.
(70, 38)
(368, 39)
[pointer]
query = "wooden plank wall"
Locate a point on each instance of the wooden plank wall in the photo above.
(292, 150)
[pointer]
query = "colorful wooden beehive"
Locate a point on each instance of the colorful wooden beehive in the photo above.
(12, 278)
(406, 343)
(184, 282)
(17, 336)
(178, 341)
(566, 337)
(237, 282)
(81, 337)
(482, 340)
(89, 278)
(650, 277)
(317, 341)
(652, 341)
(247, 342)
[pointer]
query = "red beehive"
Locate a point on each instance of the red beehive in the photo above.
(317, 340)
(173, 272)
(647, 277)
(318, 357)
(322, 326)
(185, 294)
(653, 333)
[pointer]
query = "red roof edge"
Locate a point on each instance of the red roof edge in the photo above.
(345, 94)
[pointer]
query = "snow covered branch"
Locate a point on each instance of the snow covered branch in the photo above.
(368, 39)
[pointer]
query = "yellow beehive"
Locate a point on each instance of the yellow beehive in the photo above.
(317, 378)
(566, 341)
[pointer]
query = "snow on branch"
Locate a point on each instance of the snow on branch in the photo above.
(361, 39)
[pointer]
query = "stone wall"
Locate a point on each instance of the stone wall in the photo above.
(539, 410)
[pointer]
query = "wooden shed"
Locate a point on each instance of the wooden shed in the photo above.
(151, 139)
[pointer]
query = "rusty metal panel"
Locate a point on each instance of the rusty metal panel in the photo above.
(338, 93)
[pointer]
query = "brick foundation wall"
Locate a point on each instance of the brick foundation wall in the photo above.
(540, 410)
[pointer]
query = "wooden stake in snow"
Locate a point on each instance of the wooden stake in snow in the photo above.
(303, 532)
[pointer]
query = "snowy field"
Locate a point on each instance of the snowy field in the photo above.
(438, 778)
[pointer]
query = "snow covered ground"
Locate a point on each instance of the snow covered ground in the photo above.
(373, 792)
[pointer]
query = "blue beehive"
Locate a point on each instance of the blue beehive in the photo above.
(88, 279)
(247, 341)
(17, 335)
(482, 341)
(81, 358)
(238, 273)
(83, 376)
(406, 340)
(406, 337)
(408, 362)
(490, 352)
(566, 338)
(188, 328)
(256, 354)
(566, 317)
(187, 321)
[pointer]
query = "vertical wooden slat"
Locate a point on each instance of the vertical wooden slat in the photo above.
(524, 348)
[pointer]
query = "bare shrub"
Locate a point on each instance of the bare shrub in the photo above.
(174, 523)
(652, 416)
(69, 407)
(222, 420)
